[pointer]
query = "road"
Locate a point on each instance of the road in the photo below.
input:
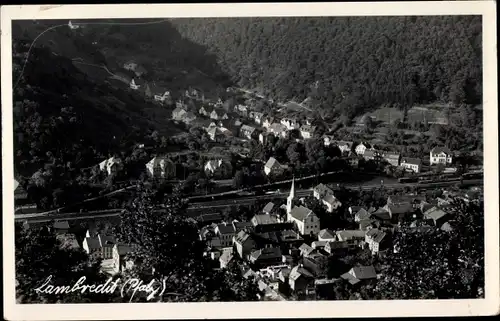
(200, 206)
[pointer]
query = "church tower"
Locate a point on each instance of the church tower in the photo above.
(291, 197)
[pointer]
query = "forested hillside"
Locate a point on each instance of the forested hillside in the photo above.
(349, 64)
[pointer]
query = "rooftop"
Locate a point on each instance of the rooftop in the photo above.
(376, 235)
(300, 212)
(264, 219)
(268, 208)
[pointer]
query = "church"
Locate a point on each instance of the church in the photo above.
(306, 221)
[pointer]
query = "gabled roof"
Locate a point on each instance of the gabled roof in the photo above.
(264, 219)
(382, 214)
(241, 225)
(362, 214)
(330, 199)
(376, 235)
(242, 237)
(364, 272)
(225, 228)
(438, 150)
(307, 128)
(434, 213)
(322, 189)
(226, 256)
(268, 208)
(272, 162)
(346, 235)
(300, 213)
(326, 234)
(413, 161)
(219, 111)
(299, 271)
(399, 208)
(305, 249)
(266, 253)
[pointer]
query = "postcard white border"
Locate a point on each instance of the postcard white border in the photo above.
(488, 306)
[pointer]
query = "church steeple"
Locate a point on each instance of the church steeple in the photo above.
(291, 197)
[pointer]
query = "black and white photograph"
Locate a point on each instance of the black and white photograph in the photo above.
(251, 158)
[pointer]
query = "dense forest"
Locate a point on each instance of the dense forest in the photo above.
(349, 64)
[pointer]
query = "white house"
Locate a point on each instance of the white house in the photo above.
(111, 165)
(305, 219)
(361, 148)
(328, 140)
(212, 165)
(290, 124)
(321, 191)
(72, 26)
(307, 131)
(247, 132)
(412, 164)
(331, 202)
(374, 238)
(162, 97)
(272, 167)
(161, 167)
(440, 155)
(135, 84)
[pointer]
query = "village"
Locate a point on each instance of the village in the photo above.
(285, 247)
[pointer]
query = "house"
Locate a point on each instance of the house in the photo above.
(307, 131)
(205, 111)
(225, 232)
(161, 168)
(328, 140)
(336, 247)
(243, 243)
(374, 238)
(412, 164)
(60, 227)
(371, 154)
(316, 263)
(178, 113)
(247, 132)
(399, 211)
(305, 250)
(256, 116)
(321, 190)
(263, 223)
(290, 123)
(345, 147)
(267, 122)
(240, 226)
(300, 279)
(437, 215)
(354, 238)
(361, 215)
(306, 221)
(241, 110)
(215, 133)
(278, 130)
(365, 225)
(161, 95)
(111, 165)
(68, 241)
(266, 256)
(289, 237)
(219, 167)
(268, 208)
(331, 203)
(359, 273)
(326, 235)
(273, 167)
(218, 114)
(226, 257)
(316, 245)
(440, 155)
(361, 148)
(135, 84)
(391, 158)
(120, 252)
(382, 214)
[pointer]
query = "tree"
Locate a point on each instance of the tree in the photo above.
(442, 265)
(40, 255)
(168, 248)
